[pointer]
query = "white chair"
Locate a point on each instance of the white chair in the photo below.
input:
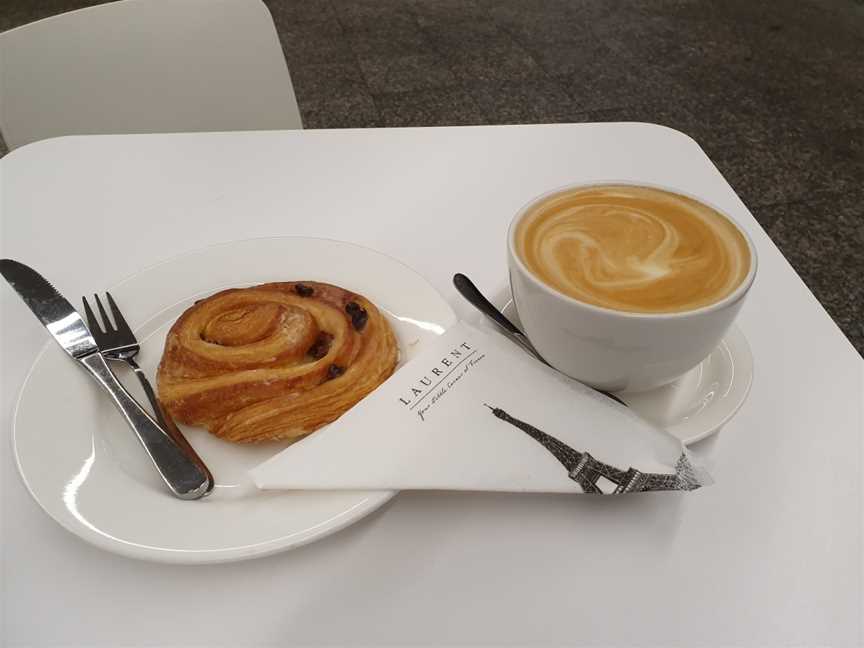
(145, 66)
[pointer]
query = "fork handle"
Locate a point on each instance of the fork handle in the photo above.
(165, 419)
(183, 476)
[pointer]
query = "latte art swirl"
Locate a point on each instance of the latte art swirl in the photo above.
(634, 249)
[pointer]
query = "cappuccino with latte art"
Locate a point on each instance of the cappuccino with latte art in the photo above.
(632, 249)
(626, 287)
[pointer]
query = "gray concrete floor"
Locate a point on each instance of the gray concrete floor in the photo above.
(774, 91)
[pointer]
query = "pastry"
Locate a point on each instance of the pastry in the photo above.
(275, 361)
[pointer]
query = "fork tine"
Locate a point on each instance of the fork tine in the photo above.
(105, 320)
(92, 322)
(120, 323)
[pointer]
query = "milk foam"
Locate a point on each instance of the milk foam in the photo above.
(635, 249)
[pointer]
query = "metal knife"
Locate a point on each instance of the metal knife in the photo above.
(183, 477)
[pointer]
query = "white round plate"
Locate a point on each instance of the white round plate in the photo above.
(700, 402)
(85, 467)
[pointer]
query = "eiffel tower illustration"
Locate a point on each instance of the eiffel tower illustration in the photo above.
(587, 471)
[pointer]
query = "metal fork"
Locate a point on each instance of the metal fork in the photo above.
(118, 342)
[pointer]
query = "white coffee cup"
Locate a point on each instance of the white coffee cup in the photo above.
(617, 350)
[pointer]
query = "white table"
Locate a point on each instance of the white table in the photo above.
(770, 555)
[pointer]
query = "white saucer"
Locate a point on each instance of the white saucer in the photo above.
(85, 467)
(700, 402)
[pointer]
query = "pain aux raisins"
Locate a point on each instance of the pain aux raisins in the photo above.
(357, 314)
(334, 371)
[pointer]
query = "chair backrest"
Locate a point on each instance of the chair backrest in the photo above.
(144, 66)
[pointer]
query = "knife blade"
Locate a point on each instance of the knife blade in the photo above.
(180, 473)
(50, 307)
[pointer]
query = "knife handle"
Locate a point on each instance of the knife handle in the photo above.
(186, 479)
(163, 418)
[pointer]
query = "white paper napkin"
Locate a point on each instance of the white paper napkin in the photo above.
(475, 412)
